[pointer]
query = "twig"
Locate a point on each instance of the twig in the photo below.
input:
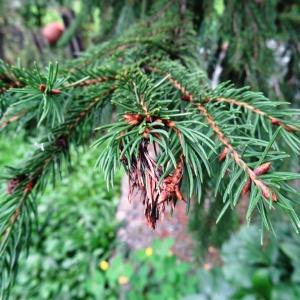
(256, 110)
(87, 82)
(12, 119)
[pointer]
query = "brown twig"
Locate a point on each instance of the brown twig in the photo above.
(26, 192)
(12, 119)
(256, 110)
(13, 219)
(89, 82)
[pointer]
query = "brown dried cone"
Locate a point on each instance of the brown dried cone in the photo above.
(144, 177)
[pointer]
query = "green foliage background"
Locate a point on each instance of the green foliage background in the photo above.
(77, 228)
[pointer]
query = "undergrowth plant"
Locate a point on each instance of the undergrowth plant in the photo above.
(142, 275)
(143, 101)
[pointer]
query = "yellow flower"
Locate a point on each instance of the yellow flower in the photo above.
(123, 280)
(103, 265)
(149, 251)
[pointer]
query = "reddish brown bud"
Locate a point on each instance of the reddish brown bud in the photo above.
(42, 87)
(206, 100)
(55, 92)
(133, 119)
(30, 185)
(14, 84)
(246, 187)
(169, 123)
(263, 169)
(267, 193)
(148, 119)
(147, 69)
(187, 97)
(146, 132)
(62, 142)
(288, 128)
(223, 154)
(276, 122)
(12, 185)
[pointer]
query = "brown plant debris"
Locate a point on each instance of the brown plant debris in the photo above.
(145, 180)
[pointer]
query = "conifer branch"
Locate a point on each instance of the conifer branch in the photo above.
(229, 149)
(174, 135)
(32, 177)
(236, 156)
(256, 110)
(189, 97)
(59, 145)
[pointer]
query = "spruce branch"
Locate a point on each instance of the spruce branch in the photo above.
(174, 135)
(187, 96)
(274, 121)
(263, 188)
(42, 98)
(31, 178)
(151, 126)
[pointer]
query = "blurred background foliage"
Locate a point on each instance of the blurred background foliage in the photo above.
(76, 229)
(75, 253)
